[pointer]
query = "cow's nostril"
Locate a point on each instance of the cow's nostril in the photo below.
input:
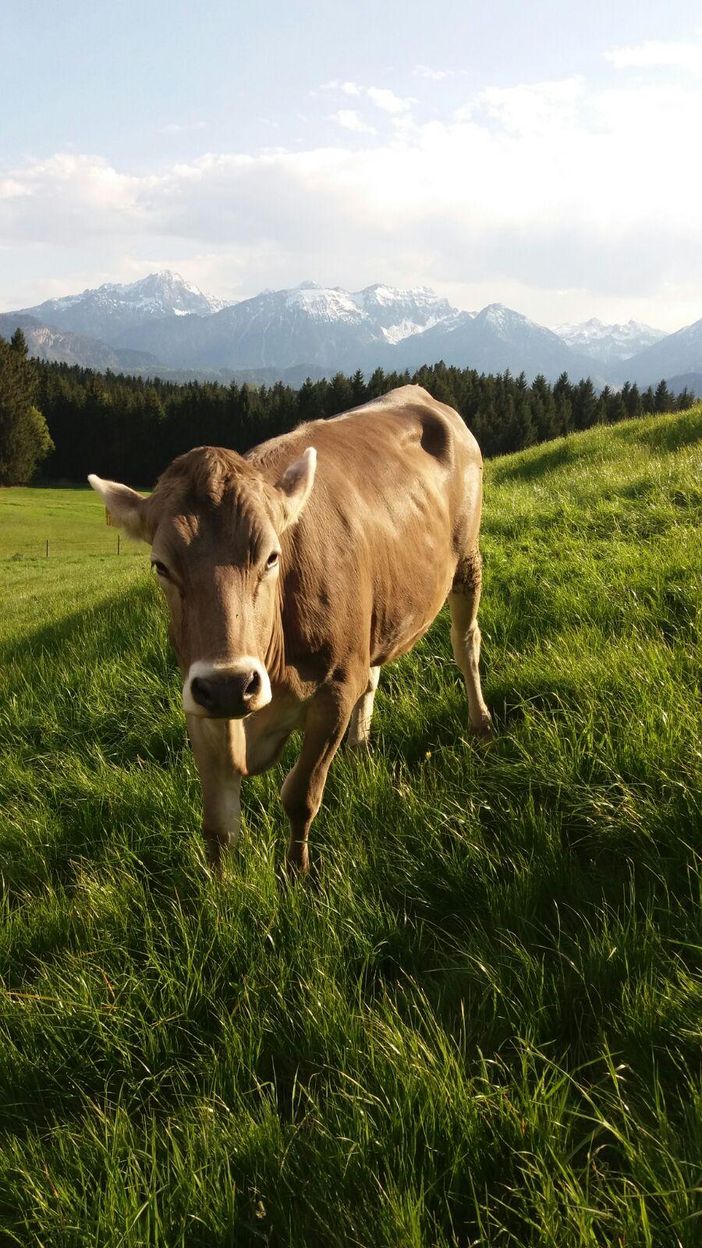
(252, 686)
(202, 692)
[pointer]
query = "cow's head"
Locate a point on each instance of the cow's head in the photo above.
(215, 527)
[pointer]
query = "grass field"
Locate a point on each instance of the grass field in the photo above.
(484, 1025)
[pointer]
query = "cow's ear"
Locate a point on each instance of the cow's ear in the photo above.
(126, 507)
(296, 484)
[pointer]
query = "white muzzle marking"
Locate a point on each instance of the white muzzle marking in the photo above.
(204, 669)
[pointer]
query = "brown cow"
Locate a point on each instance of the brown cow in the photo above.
(294, 572)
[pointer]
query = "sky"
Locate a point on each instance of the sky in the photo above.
(544, 154)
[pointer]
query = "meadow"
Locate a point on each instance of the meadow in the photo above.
(482, 1023)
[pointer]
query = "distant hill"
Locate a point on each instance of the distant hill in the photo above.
(687, 381)
(63, 347)
(165, 325)
(495, 339)
(325, 328)
(673, 356)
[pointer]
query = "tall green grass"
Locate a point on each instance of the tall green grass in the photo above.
(483, 1025)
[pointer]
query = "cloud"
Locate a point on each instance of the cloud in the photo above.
(545, 187)
(532, 108)
(350, 119)
(69, 196)
(433, 75)
(388, 101)
(657, 54)
(346, 88)
(175, 127)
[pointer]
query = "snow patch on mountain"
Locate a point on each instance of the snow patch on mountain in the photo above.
(405, 328)
(609, 342)
(108, 310)
(400, 313)
(323, 304)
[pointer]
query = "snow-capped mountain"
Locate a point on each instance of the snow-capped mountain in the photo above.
(176, 328)
(495, 339)
(313, 325)
(609, 343)
(674, 355)
(109, 310)
(400, 313)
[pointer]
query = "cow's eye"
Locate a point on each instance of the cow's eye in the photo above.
(160, 569)
(272, 560)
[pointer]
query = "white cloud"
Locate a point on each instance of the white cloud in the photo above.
(346, 88)
(350, 119)
(551, 192)
(397, 107)
(531, 108)
(433, 75)
(388, 101)
(657, 53)
(68, 196)
(175, 127)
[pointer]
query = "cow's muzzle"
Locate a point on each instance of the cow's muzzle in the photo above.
(226, 691)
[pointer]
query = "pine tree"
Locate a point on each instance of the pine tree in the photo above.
(584, 405)
(358, 388)
(631, 399)
(564, 407)
(24, 436)
(663, 401)
(543, 409)
(648, 400)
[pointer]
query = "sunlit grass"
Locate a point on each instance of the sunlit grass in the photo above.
(482, 1026)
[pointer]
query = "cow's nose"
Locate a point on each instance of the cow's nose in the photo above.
(203, 692)
(227, 695)
(253, 686)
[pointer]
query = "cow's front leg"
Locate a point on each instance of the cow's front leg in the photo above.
(360, 722)
(215, 755)
(326, 722)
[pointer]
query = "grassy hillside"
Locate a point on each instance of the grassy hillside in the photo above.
(483, 1026)
(72, 521)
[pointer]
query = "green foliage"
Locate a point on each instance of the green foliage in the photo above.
(481, 1025)
(129, 429)
(24, 436)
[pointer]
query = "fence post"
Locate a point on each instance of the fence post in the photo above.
(118, 543)
(47, 548)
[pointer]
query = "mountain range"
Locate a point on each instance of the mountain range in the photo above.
(163, 325)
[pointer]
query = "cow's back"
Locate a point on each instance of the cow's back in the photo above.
(395, 505)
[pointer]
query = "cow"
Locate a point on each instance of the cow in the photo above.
(294, 572)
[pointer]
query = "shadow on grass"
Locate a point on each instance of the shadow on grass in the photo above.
(70, 688)
(669, 435)
(113, 620)
(539, 464)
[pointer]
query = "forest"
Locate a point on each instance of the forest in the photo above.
(60, 422)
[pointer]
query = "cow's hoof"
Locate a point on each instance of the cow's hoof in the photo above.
(484, 729)
(297, 864)
(359, 747)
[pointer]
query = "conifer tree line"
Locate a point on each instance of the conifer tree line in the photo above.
(24, 437)
(129, 428)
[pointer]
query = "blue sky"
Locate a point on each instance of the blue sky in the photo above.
(544, 155)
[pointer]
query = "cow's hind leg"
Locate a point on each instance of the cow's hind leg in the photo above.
(464, 600)
(360, 722)
(326, 722)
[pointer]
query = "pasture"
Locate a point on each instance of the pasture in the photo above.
(482, 1024)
